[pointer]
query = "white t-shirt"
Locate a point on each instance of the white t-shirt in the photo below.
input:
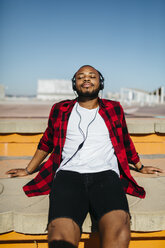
(97, 153)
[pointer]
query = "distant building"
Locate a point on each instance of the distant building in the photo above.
(136, 96)
(54, 89)
(113, 96)
(2, 92)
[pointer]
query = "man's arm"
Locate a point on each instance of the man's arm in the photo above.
(45, 147)
(132, 155)
(37, 159)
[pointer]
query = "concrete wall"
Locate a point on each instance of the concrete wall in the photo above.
(19, 137)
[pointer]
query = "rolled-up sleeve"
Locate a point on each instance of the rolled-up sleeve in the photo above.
(46, 142)
(132, 155)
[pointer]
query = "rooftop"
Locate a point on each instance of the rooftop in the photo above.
(29, 215)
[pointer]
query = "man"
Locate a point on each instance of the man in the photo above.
(88, 169)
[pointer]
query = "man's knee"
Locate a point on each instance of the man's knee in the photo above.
(124, 235)
(115, 227)
(63, 229)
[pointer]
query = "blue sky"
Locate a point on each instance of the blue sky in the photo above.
(42, 39)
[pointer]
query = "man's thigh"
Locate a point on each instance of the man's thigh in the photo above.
(114, 221)
(68, 198)
(107, 194)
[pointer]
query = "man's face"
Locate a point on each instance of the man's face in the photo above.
(87, 82)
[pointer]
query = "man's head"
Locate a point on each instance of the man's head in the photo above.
(87, 81)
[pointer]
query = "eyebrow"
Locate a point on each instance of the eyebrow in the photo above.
(83, 73)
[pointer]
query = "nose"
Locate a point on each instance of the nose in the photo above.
(86, 79)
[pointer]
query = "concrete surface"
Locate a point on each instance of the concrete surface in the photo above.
(160, 127)
(28, 108)
(157, 110)
(34, 108)
(29, 215)
(135, 126)
(23, 125)
(31, 115)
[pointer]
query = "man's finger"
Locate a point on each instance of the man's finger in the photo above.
(153, 171)
(158, 170)
(11, 171)
(13, 175)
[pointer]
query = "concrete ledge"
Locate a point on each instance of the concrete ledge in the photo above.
(23, 125)
(160, 127)
(135, 126)
(20, 213)
(29, 215)
(149, 214)
(141, 126)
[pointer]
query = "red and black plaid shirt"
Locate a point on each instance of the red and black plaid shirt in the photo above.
(53, 141)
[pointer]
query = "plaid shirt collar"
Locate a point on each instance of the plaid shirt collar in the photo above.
(67, 107)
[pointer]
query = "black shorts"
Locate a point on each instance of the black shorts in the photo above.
(73, 195)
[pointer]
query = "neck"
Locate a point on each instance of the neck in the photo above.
(89, 103)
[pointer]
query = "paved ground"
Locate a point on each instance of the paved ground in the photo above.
(25, 109)
(157, 111)
(32, 108)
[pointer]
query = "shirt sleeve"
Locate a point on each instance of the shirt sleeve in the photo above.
(132, 155)
(46, 142)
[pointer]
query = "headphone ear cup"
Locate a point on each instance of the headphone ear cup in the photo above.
(101, 85)
(101, 82)
(74, 83)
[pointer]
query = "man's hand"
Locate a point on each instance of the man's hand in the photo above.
(148, 169)
(17, 172)
(38, 157)
(151, 170)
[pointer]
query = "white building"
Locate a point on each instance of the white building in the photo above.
(2, 92)
(54, 89)
(136, 96)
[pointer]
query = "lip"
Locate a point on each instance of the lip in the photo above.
(87, 85)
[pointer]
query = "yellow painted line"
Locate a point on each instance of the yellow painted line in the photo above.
(25, 138)
(150, 148)
(138, 240)
(19, 149)
(19, 236)
(26, 144)
(147, 244)
(28, 149)
(148, 138)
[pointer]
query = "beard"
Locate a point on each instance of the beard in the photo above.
(92, 94)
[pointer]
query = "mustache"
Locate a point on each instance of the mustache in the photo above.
(87, 83)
